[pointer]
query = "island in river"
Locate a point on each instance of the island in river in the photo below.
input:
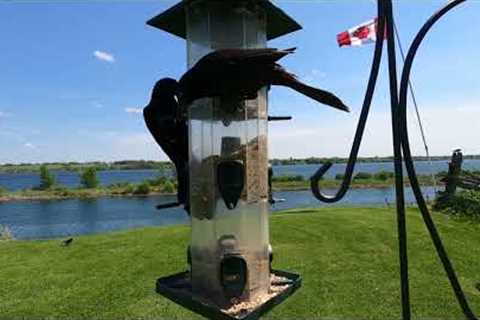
(167, 186)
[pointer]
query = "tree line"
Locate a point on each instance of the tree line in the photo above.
(154, 165)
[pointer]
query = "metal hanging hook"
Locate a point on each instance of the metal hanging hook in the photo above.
(347, 179)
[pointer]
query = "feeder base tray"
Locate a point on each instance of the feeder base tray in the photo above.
(178, 288)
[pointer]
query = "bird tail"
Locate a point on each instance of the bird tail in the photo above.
(319, 95)
(289, 50)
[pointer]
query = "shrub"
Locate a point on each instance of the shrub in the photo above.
(441, 174)
(128, 190)
(157, 182)
(119, 185)
(82, 194)
(89, 179)
(169, 187)
(47, 179)
(142, 189)
(122, 188)
(63, 191)
(3, 191)
(463, 203)
(383, 175)
(362, 176)
(339, 176)
(288, 178)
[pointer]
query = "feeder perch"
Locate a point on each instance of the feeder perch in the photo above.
(230, 276)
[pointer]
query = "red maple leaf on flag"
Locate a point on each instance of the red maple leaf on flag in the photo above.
(359, 35)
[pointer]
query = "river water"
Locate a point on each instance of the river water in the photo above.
(54, 219)
(62, 218)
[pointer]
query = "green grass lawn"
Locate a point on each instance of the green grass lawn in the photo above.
(347, 257)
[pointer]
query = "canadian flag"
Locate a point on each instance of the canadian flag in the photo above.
(359, 35)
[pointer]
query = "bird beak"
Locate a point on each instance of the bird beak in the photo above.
(336, 103)
(342, 107)
(178, 95)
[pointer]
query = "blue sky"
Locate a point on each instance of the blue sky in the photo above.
(73, 77)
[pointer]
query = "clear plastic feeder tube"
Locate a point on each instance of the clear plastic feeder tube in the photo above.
(223, 235)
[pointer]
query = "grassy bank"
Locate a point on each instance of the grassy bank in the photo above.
(126, 189)
(282, 185)
(347, 257)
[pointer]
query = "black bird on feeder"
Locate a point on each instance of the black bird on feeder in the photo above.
(170, 131)
(240, 73)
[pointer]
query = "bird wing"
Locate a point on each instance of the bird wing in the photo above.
(162, 135)
(248, 56)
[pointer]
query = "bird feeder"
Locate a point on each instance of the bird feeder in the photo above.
(229, 255)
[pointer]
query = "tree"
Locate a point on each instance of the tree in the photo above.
(169, 187)
(142, 189)
(362, 176)
(89, 179)
(383, 175)
(47, 179)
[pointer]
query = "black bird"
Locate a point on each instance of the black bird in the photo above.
(240, 73)
(67, 242)
(170, 130)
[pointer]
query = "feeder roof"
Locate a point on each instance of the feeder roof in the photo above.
(173, 20)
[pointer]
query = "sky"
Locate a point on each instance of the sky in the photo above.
(74, 77)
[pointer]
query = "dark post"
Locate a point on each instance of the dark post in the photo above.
(454, 170)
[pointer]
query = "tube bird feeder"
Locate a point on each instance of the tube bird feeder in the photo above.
(230, 276)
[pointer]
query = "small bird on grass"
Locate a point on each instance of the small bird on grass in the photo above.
(67, 242)
(170, 131)
(240, 73)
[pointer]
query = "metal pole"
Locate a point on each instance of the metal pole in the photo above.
(397, 150)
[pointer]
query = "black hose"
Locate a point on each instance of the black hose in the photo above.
(347, 179)
(397, 151)
(460, 295)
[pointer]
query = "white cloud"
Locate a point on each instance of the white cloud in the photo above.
(134, 110)
(97, 105)
(314, 76)
(104, 56)
(318, 73)
(446, 127)
(29, 145)
(140, 145)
